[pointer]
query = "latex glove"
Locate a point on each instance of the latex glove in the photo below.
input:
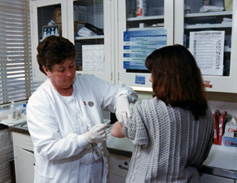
(122, 110)
(96, 134)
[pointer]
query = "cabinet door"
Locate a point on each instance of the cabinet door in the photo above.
(206, 178)
(24, 165)
(90, 28)
(47, 18)
(116, 179)
(157, 15)
(199, 27)
(118, 165)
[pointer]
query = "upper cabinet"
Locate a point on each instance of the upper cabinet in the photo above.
(209, 29)
(149, 17)
(113, 37)
(85, 23)
(90, 29)
(46, 19)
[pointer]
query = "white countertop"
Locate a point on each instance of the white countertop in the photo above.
(123, 144)
(223, 157)
(220, 156)
(8, 122)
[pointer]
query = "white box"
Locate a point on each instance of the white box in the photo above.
(230, 128)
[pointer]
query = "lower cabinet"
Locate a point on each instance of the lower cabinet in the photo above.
(118, 165)
(23, 158)
(118, 168)
(207, 178)
(24, 165)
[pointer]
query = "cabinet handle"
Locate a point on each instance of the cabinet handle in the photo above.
(122, 167)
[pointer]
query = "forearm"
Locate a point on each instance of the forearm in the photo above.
(117, 130)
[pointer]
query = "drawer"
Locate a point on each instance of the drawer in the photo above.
(116, 178)
(118, 165)
(206, 178)
(22, 141)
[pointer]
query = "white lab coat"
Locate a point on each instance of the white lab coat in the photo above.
(62, 153)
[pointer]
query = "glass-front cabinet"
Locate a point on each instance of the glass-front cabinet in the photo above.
(113, 37)
(208, 28)
(85, 23)
(46, 19)
(143, 26)
(89, 28)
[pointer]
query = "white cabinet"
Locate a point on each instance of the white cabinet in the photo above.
(118, 168)
(41, 13)
(159, 16)
(102, 54)
(94, 46)
(179, 19)
(23, 158)
(207, 178)
(189, 19)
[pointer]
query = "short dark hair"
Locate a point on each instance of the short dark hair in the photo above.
(177, 79)
(54, 50)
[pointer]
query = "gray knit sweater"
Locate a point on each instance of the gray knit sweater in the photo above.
(168, 143)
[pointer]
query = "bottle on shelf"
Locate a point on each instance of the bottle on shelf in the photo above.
(48, 32)
(56, 31)
(52, 31)
(44, 34)
(141, 8)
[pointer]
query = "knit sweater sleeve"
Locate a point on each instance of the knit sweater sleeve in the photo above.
(136, 130)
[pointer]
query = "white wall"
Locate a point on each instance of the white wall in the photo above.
(221, 101)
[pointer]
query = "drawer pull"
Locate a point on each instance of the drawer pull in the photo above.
(122, 167)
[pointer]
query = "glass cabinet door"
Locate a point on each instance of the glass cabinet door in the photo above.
(47, 18)
(208, 29)
(148, 17)
(89, 29)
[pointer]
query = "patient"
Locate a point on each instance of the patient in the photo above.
(172, 133)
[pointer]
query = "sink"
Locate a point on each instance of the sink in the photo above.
(24, 125)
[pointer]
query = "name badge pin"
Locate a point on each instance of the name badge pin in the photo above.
(91, 104)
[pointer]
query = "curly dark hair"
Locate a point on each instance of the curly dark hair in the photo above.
(177, 79)
(54, 50)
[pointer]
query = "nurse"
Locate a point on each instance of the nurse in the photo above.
(64, 117)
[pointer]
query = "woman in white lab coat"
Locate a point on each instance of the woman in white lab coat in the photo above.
(64, 117)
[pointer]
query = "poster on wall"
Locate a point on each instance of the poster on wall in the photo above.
(207, 48)
(139, 44)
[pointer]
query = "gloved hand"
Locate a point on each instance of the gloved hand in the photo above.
(122, 110)
(96, 134)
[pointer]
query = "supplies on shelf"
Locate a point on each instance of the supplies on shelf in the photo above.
(230, 135)
(225, 129)
(49, 30)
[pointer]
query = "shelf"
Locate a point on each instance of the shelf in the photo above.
(145, 18)
(145, 28)
(89, 37)
(220, 13)
(204, 26)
